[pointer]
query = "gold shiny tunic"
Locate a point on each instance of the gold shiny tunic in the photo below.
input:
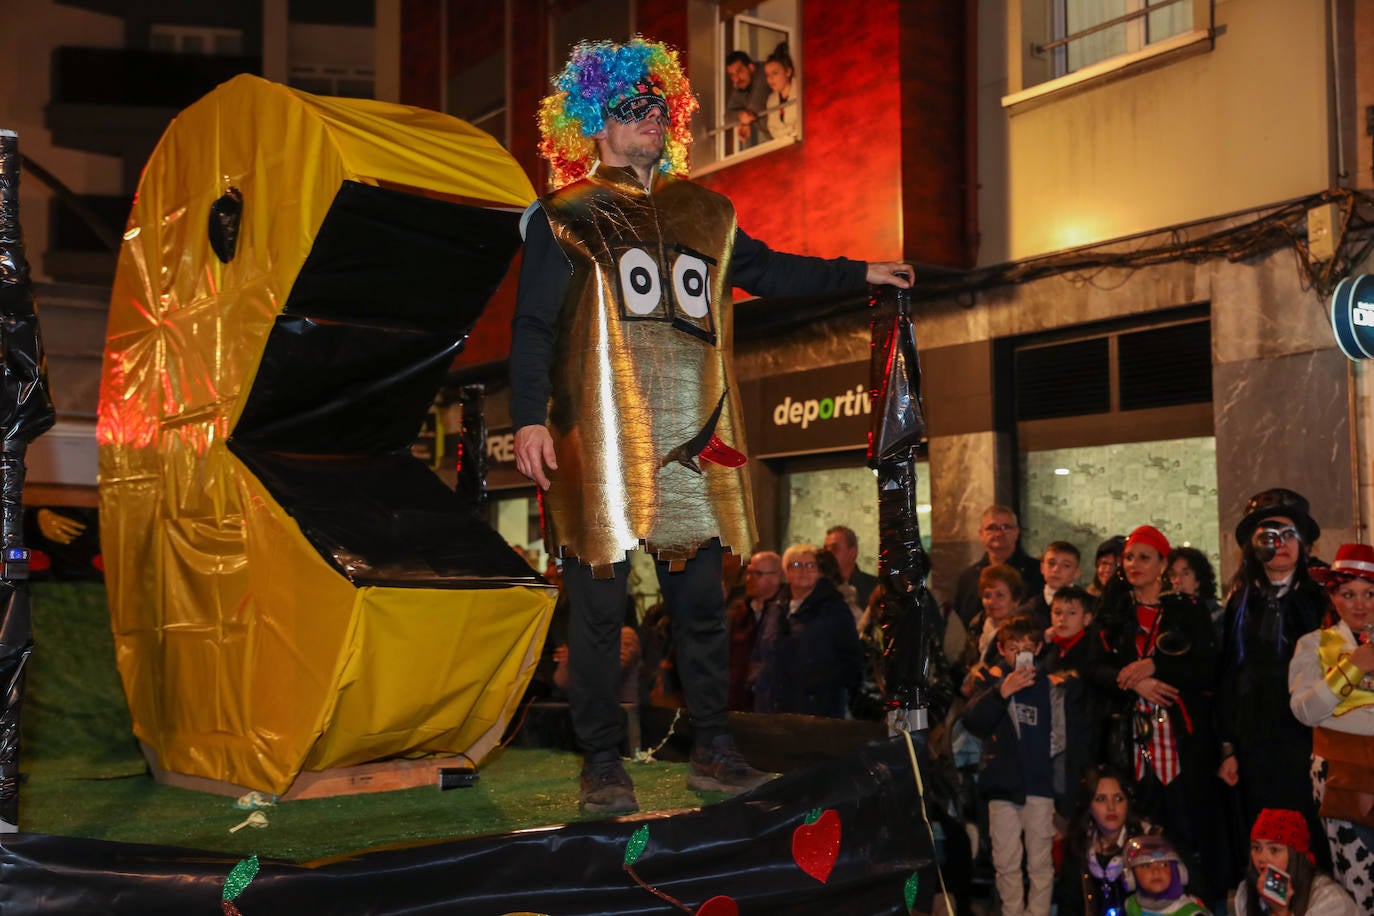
(641, 374)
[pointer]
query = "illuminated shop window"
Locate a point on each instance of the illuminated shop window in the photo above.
(1088, 494)
(819, 499)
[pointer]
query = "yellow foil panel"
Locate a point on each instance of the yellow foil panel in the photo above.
(245, 657)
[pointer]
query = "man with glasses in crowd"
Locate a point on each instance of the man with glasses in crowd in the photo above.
(1000, 535)
(762, 582)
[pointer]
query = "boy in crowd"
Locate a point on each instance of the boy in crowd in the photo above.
(1059, 567)
(1157, 875)
(1072, 656)
(1012, 710)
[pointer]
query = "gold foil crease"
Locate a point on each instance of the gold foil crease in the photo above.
(244, 656)
(634, 380)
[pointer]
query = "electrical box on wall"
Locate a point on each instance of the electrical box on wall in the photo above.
(1322, 223)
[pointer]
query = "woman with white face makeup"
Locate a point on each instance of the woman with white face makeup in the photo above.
(1265, 751)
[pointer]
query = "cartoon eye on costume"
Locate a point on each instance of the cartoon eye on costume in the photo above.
(639, 282)
(691, 284)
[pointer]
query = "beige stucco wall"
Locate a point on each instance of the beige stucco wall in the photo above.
(1242, 125)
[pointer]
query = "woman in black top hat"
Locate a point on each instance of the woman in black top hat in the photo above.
(1266, 751)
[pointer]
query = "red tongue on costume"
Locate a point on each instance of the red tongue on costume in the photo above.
(707, 446)
(718, 452)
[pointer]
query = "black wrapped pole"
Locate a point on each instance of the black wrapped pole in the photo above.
(910, 617)
(26, 411)
(472, 446)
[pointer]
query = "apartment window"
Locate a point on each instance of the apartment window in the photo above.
(346, 82)
(193, 39)
(1088, 31)
(720, 34)
(1063, 43)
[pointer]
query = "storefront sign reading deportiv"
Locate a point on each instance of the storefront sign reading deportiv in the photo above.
(808, 411)
(825, 409)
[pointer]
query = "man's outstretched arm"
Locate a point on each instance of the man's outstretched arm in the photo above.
(764, 272)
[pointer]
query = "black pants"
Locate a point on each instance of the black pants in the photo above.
(696, 608)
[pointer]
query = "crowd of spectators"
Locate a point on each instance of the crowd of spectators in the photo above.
(1171, 749)
(1133, 743)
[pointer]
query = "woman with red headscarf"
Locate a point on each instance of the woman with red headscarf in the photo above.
(1161, 661)
(1282, 878)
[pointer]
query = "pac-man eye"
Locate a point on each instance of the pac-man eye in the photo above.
(691, 285)
(639, 282)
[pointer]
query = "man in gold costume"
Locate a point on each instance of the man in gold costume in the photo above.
(622, 394)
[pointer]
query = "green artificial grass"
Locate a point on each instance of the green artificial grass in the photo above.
(85, 776)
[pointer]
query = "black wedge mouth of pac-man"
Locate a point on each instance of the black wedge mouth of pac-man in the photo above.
(349, 372)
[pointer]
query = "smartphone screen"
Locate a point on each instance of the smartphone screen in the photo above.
(1275, 885)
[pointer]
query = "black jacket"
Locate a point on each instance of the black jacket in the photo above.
(1185, 658)
(809, 662)
(1272, 748)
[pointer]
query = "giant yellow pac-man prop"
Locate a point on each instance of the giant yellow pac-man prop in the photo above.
(290, 589)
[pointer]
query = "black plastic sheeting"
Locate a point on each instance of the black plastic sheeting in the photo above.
(26, 408)
(743, 849)
(388, 520)
(384, 302)
(26, 411)
(911, 620)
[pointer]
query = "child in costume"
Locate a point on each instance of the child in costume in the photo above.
(1156, 876)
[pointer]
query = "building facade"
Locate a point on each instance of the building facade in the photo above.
(1112, 205)
(1126, 221)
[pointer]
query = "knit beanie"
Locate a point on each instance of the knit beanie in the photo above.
(1279, 825)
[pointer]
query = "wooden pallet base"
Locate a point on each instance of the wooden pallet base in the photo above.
(383, 776)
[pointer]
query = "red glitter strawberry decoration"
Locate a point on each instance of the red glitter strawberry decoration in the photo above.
(719, 906)
(816, 843)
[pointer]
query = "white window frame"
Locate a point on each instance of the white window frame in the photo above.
(729, 34)
(1021, 45)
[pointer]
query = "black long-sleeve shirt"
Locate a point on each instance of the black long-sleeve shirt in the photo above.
(544, 276)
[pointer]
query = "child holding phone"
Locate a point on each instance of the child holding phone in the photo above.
(1022, 730)
(1282, 879)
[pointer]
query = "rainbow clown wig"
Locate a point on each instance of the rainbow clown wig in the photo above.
(598, 73)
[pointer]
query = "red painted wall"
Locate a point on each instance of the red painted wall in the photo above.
(881, 173)
(838, 192)
(476, 31)
(420, 74)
